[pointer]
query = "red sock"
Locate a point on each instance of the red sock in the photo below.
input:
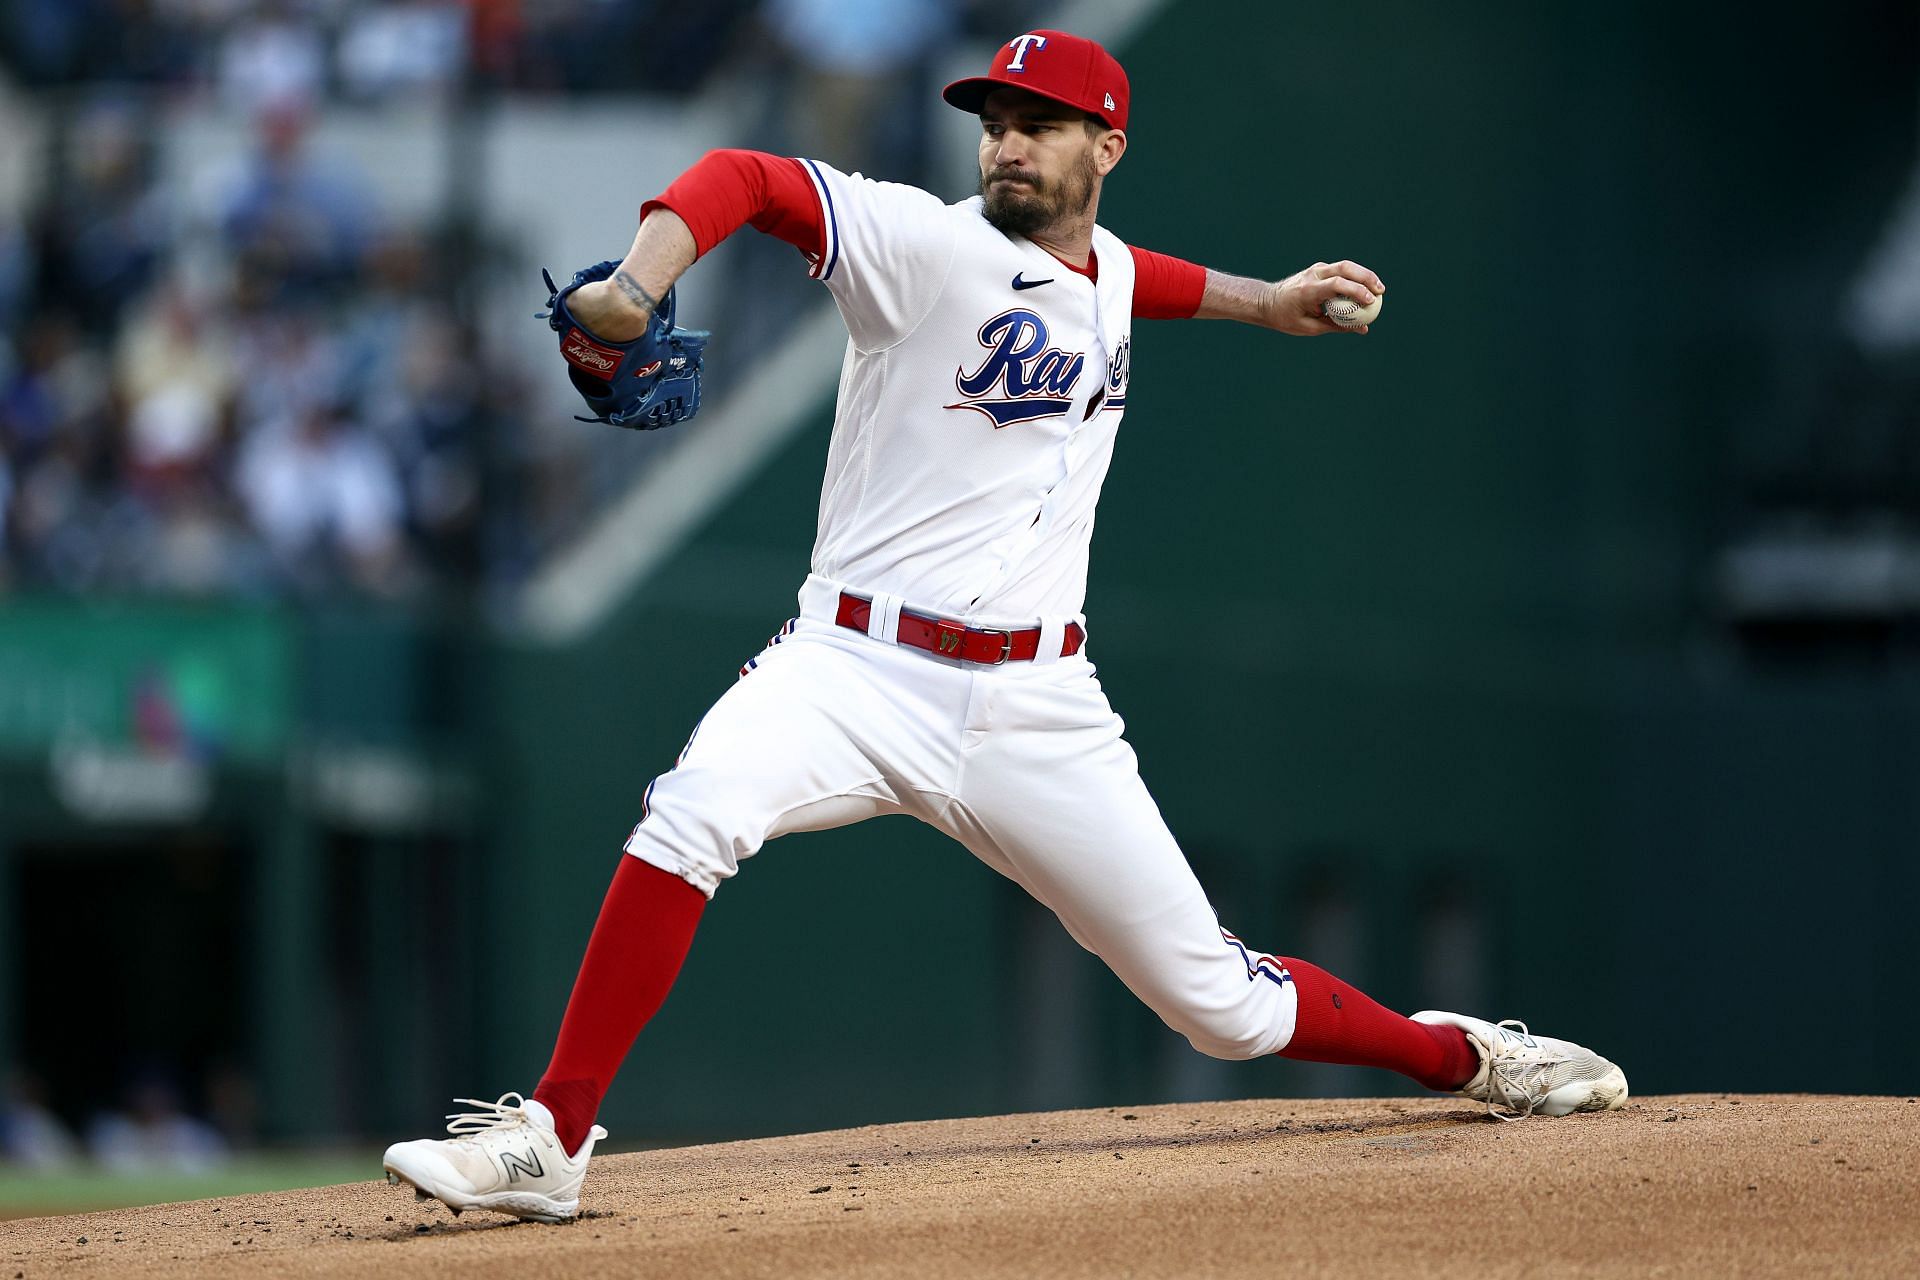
(645, 927)
(1337, 1023)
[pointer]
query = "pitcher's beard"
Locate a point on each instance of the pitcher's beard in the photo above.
(1014, 211)
(1018, 212)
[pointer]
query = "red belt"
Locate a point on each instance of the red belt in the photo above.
(956, 639)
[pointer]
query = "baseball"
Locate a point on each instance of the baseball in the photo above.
(1349, 314)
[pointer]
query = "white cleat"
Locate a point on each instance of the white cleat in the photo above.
(1527, 1074)
(504, 1157)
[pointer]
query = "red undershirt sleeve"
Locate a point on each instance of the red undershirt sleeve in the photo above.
(728, 189)
(1164, 287)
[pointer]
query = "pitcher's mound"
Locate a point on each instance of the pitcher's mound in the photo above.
(1694, 1185)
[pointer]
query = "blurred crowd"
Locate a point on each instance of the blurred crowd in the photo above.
(150, 1130)
(282, 400)
(254, 52)
(276, 388)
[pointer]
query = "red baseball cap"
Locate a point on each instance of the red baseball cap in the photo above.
(1067, 68)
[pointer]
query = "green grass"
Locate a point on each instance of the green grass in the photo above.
(34, 1194)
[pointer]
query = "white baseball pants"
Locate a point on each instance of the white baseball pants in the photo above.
(1024, 764)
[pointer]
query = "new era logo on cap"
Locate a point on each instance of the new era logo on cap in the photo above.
(1067, 68)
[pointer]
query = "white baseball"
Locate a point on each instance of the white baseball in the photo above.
(1349, 314)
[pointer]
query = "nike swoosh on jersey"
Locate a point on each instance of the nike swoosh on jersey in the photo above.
(1018, 283)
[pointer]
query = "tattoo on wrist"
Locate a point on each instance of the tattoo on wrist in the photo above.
(635, 294)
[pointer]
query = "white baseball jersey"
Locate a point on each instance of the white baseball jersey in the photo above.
(983, 385)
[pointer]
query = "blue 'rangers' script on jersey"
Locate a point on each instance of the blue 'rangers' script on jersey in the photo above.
(1036, 379)
(983, 385)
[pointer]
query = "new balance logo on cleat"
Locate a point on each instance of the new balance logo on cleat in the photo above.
(1520, 1036)
(515, 1166)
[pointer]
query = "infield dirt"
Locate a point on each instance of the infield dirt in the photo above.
(1693, 1186)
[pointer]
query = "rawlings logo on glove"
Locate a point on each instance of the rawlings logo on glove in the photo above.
(650, 382)
(587, 354)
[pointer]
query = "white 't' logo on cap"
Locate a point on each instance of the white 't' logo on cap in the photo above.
(1020, 45)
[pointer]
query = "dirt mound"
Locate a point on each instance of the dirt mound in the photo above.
(1700, 1185)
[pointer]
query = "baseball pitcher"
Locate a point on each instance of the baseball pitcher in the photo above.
(939, 663)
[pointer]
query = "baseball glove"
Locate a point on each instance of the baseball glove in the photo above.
(651, 382)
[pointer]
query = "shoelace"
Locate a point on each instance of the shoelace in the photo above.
(1517, 1076)
(491, 1115)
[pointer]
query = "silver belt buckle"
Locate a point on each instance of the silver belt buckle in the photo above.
(1006, 645)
